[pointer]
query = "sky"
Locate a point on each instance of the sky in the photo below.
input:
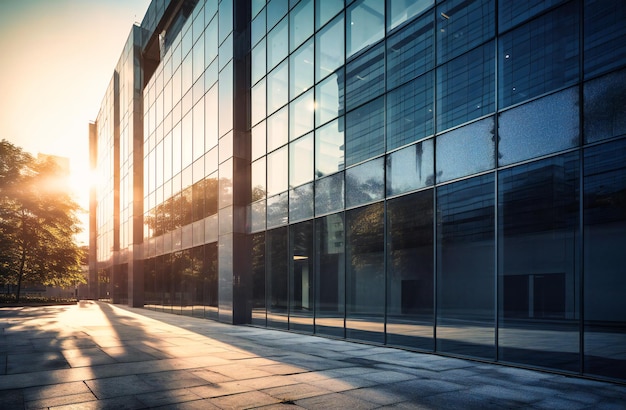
(56, 60)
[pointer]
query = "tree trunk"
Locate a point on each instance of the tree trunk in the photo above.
(20, 274)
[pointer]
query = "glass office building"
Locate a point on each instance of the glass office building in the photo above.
(444, 176)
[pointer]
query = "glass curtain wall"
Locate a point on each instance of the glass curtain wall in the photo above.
(444, 176)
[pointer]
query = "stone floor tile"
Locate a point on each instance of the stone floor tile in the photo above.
(204, 404)
(295, 392)
(120, 386)
(33, 362)
(221, 389)
(379, 395)
(261, 383)
(236, 372)
(69, 399)
(55, 390)
(244, 400)
(386, 376)
(118, 403)
(335, 401)
(167, 397)
(12, 399)
(211, 376)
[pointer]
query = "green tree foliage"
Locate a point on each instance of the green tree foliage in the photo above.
(38, 221)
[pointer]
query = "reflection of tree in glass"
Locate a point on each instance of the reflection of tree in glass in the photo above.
(193, 204)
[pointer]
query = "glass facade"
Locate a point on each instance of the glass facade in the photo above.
(443, 176)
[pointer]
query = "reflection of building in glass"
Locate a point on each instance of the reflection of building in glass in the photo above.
(445, 177)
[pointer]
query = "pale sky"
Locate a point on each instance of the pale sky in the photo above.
(56, 60)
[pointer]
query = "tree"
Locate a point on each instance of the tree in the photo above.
(38, 221)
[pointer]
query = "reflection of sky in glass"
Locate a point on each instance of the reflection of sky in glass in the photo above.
(328, 149)
(466, 150)
(541, 127)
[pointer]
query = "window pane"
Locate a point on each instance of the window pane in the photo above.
(329, 148)
(605, 107)
(301, 69)
(276, 9)
(365, 182)
(466, 87)
(258, 216)
(258, 27)
(462, 25)
(365, 24)
(399, 11)
(277, 88)
(329, 194)
(466, 150)
(258, 102)
(365, 132)
(410, 52)
(301, 296)
(365, 77)
(539, 56)
(301, 202)
(277, 44)
(604, 257)
(330, 275)
(537, 226)
(277, 210)
(301, 115)
(605, 30)
(329, 102)
(259, 143)
(465, 267)
(512, 12)
(301, 161)
(277, 270)
(410, 168)
(257, 66)
(258, 180)
(365, 281)
(410, 112)
(258, 279)
(325, 10)
(301, 23)
(277, 171)
(410, 304)
(278, 129)
(329, 53)
(541, 127)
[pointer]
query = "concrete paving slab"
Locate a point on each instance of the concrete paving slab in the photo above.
(105, 356)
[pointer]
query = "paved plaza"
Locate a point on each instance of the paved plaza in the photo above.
(98, 356)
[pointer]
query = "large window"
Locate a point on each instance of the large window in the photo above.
(410, 52)
(538, 274)
(466, 150)
(541, 127)
(466, 87)
(330, 275)
(410, 309)
(365, 130)
(365, 77)
(409, 114)
(604, 30)
(365, 24)
(462, 25)
(466, 267)
(539, 56)
(301, 281)
(365, 278)
(604, 259)
(276, 255)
